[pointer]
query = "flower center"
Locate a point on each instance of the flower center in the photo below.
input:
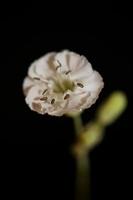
(61, 85)
(62, 82)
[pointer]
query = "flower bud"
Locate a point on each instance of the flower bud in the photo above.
(92, 135)
(112, 108)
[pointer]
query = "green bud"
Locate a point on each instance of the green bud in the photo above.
(112, 108)
(92, 135)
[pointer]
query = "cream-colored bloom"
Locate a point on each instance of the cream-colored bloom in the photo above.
(59, 83)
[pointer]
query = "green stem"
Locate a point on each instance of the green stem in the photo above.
(83, 178)
(82, 190)
(77, 123)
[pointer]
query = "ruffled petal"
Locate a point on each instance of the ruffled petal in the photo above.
(43, 67)
(27, 84)
(33, 99)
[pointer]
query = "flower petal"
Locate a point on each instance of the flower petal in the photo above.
(62, 59)
(84, 69)
(43, 67)
(33, 99)
(27, 84)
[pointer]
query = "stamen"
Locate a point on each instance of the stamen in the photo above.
(44, 91)
(66, 96)
(43, 98)
(36, 78)
(53, 100)
(80, 85)
(59, 65)
(66, 73)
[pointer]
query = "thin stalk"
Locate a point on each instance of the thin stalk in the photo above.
(77, 124)
(82, 187)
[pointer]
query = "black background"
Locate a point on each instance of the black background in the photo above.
(38, 157)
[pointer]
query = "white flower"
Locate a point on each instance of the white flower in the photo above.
(59, 83)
